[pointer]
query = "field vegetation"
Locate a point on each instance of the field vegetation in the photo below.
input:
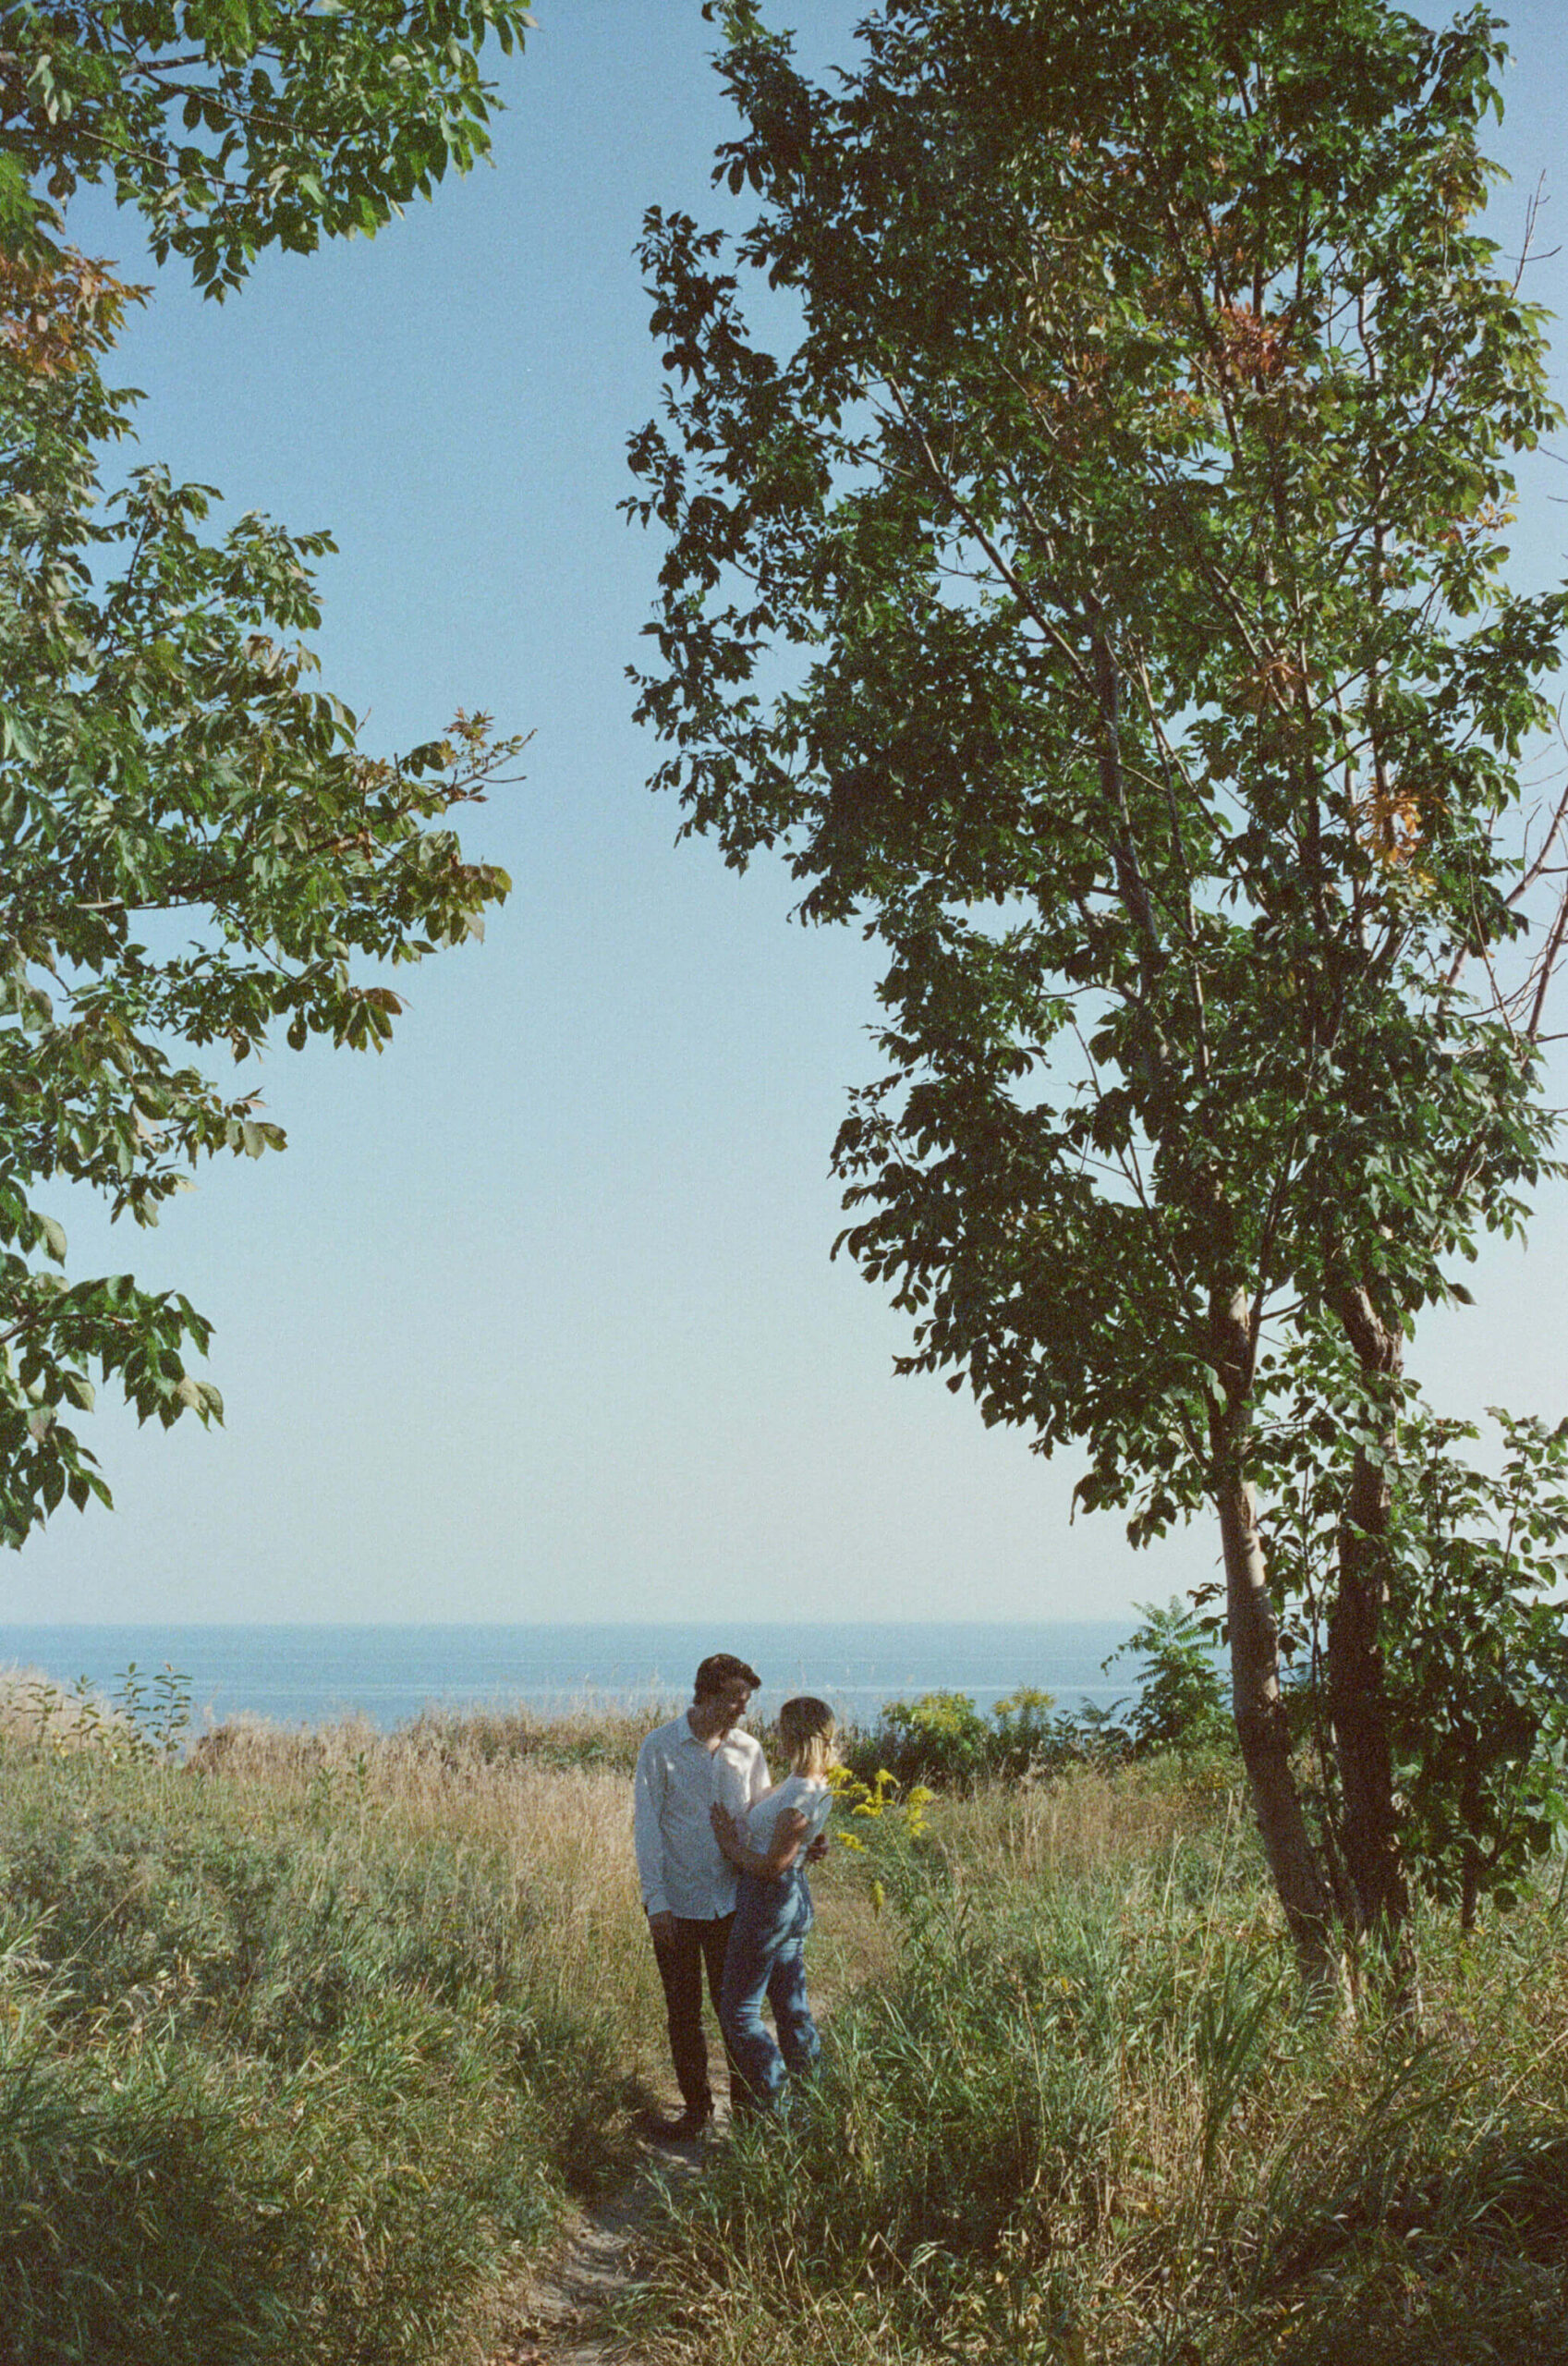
(305, 2040)
(308, 2041)
(1084, 2118)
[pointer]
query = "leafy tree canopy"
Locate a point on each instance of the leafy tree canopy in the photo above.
(196, 849)
(233, 125)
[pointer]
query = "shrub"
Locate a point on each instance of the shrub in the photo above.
(1029, 1728)
(944, 1741)
(941, 1740)
(1181, 1700)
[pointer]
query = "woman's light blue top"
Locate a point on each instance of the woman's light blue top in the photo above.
(807, 1793)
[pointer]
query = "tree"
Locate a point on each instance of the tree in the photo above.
(1098, 598)
(195, 849)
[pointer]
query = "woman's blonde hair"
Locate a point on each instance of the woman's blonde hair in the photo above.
(806, 1729)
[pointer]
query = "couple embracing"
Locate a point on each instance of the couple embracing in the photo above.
(722, 1857)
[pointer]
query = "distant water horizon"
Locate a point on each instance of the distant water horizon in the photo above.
(311, 1675)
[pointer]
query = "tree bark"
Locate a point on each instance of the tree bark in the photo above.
(1357, 1695)
(1261, 1726)
(1358, 1707)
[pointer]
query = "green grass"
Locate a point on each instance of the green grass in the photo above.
(298, 2057)
(1085, 2119)
(305, 2046)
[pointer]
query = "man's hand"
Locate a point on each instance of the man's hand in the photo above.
(661, 1928)
(818, 1851)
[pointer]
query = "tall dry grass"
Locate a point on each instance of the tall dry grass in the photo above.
(1084, 2120)
(1074, 1825)
(305, 2042)
(549, 1838)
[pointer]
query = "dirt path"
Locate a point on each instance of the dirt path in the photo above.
(555, 2318)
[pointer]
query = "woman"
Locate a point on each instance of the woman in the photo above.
(766, 1956)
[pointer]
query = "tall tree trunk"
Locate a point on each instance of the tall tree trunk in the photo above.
(1358, 1706)
(1261, 1726)
(1357, 1694)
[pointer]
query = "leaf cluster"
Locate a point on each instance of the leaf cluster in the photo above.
(235, 125)
(1474, 1625)
(198, 853)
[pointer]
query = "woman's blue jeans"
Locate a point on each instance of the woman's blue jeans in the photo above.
(766, 1957)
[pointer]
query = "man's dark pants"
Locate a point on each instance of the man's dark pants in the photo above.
(697, 1946)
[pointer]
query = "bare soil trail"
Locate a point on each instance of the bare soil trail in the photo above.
(555, 2317)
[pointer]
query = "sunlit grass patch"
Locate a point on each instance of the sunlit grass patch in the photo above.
(302, 2045)
(1085, 2117)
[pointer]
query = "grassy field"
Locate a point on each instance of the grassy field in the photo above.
(306, 2042)
(1081, 2118)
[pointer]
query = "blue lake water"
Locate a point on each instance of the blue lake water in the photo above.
(309, 1675)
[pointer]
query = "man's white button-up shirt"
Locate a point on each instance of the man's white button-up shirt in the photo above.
(682, 1868)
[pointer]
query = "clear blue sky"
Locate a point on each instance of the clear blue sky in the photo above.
(535, 1319)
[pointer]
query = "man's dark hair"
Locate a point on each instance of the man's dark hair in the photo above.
(719, 1669)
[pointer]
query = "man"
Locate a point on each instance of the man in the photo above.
(689, 1888)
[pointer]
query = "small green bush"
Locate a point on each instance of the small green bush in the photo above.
(941, 1740)
(1181, 1702)
(599, 1737)
(1027, 1732)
